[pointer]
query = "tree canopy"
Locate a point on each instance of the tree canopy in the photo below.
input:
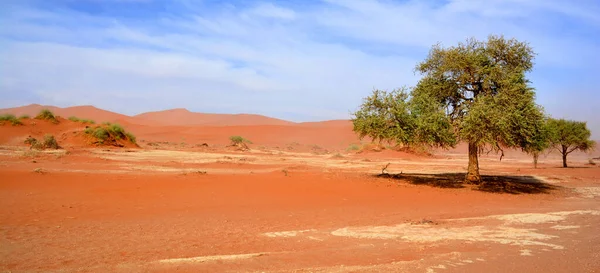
(567, 136)
(476, 92)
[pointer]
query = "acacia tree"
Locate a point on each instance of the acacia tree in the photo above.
(475, 92)
(567, 136)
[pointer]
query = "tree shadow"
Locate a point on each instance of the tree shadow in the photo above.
(490, 183)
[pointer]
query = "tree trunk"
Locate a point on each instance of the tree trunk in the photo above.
(536, 155)
(564, 154)
(473, 176)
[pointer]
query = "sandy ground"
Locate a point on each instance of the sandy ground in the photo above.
(140, 210)
(301, 200)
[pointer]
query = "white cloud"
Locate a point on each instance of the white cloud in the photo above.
(313, 62)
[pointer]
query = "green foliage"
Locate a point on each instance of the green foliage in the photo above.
(238, 140)
(10, 118)
(108, 131)
(101, 134)
(24, 116)
(567, 136)
(396, 117)
(131, 137)
(475, 92)
(76, 119)
(50, 142)
(46, 114)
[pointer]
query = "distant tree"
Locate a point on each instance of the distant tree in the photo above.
(567, 136)
(475, 92)
(540, 141)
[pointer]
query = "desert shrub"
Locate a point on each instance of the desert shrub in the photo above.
(101, 134)
(131, 137)
(46, 114)
(353, 147)
(76, 119)
(30, 141)
(10, 118)
(237, 140)
(116, 130)
(50, 142)
(24, 117)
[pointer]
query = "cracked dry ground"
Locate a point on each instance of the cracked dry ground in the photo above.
(87, 212)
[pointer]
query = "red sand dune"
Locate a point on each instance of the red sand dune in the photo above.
(83, 112)
(183, 117)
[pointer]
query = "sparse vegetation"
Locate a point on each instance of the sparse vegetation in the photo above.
(10, 118)
(237, 140)
(49, 142)
(46, 114)
(24, 117)
(76, 119)
(109, 131)
(353, 147)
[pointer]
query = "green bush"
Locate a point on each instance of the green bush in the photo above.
(10, 118)
(24, 117)
(50, 142)
(237, 140)
(46, 114)
(131, 137)
(103, 133)
(76, 119)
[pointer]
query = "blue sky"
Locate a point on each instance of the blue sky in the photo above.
(297, 60)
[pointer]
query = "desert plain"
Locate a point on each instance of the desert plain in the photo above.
(305, 197)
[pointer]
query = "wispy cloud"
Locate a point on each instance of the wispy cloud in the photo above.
(300, 60)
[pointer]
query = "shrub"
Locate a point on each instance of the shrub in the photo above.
(101, 134)
(117, 131)
(76, 119)
(46, 114)
(24, 117)
(50, 142)
(131, 137)
(353, 147)
(10, 118)
(237, 140)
